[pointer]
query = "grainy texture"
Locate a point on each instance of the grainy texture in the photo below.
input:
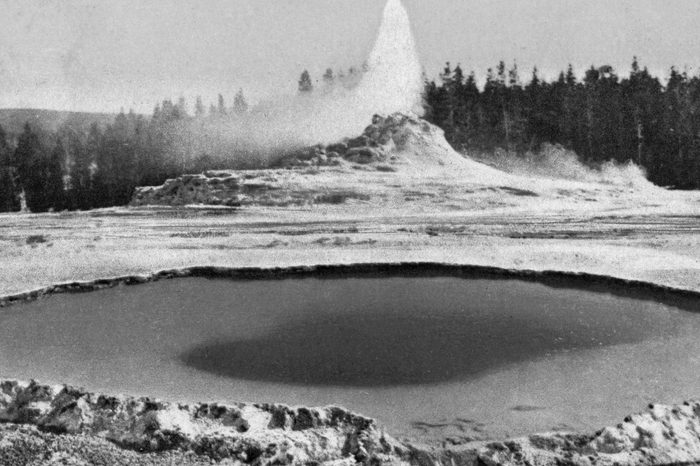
(423, 218)
(42, 424)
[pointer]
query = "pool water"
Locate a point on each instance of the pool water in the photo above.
(429, 357)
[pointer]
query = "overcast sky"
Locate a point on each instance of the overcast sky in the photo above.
(103, 55)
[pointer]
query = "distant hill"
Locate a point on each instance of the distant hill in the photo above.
(13, 119)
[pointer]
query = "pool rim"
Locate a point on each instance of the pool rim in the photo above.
(682, 298)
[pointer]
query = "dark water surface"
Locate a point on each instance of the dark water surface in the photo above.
(427, 356)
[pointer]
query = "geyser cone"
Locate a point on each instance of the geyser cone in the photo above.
(394, 81)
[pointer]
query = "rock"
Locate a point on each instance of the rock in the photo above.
(364, 155)
(269, 433)
(248, 433)
(662, 435)
(360, 141)
(339, 148)
(212, 187)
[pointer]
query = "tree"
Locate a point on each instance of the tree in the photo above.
(305, 84)
(222, 106)
(9, 194)
(446, 75)
(181, 107)
(471, 121)
(199, 109)
(157, 112)
(54, 186)
(240, 105)
(41, 173)
(540, 114)
(30, 160)
(668, 164)
(446, 106)
(79, 185)
(513, 114)
(328, 77)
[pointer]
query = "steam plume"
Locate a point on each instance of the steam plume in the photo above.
(394, 82)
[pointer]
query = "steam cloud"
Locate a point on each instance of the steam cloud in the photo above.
(393, 82)
(555, 162)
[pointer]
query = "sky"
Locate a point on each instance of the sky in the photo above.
(102, 55)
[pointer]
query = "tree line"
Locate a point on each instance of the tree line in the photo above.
(72, 168)
(602, 117)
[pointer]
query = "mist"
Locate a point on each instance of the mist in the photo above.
(391, 81)
(556, 162)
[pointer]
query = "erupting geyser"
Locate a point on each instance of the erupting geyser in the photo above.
(394, 81)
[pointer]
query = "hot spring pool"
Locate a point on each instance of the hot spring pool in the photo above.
(427, 356)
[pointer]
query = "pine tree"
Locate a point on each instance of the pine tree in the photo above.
(514, 118)
(446, 75)
(199, 109)
(459, 105)
(78, 172)
(603, 117)
(54, 186)
(328, 77)
(240, 105)
(9, 195)
(570, 76)
(446, 96)
(472, 106)
(305, 85)
(181, 108)
(29, 157)
(222, 106)
(157, 112)
(537, 117)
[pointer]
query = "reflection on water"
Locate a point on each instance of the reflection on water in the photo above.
(426, 356)
(388, 349)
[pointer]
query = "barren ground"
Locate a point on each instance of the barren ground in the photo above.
(650, 235)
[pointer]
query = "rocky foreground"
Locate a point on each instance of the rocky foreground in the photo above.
(41, 424)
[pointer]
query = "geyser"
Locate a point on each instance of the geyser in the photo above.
(394, 81)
